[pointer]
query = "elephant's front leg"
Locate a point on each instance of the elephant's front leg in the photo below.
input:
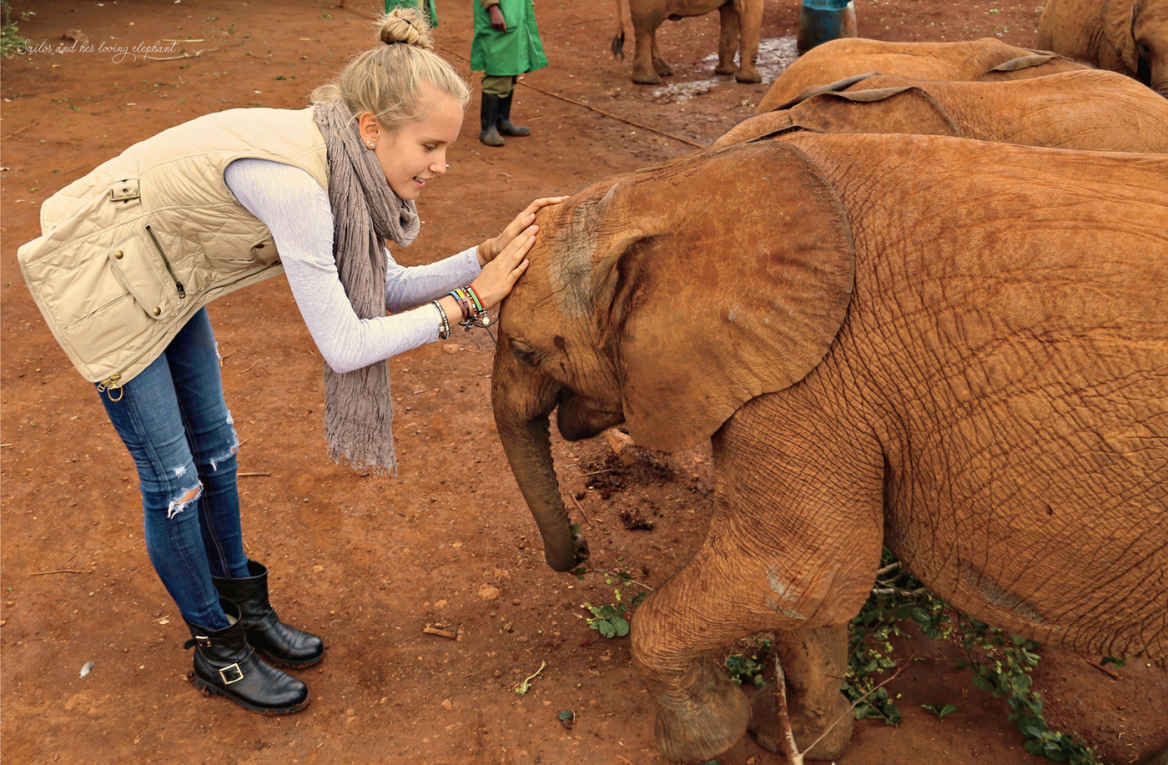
(793, 546)
(727, 39)
(750, 29)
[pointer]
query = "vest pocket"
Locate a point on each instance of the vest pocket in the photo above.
(143, 269)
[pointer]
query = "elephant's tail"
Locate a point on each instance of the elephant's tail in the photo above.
(618, 40)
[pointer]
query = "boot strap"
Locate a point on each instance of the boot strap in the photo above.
(231, 671)
(202, 641)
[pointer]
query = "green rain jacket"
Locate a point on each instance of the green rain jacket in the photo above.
(427, 7)
(516, 51)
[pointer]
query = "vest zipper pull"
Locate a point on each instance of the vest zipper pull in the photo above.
(112, 387)
(182, 292)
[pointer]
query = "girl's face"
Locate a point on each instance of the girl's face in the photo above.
(415, 153)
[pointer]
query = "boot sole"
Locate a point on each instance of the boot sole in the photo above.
(210, 689)
(289, 663)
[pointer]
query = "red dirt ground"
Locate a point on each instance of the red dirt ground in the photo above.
(370, 562)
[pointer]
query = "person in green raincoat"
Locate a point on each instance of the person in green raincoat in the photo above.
(427, 7)
(506, 44)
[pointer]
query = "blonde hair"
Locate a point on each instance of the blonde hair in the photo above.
(386, 80)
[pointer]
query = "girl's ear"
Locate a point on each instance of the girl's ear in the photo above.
(369, 128)
(735, 285)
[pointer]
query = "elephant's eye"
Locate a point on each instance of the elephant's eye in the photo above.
(523, 352)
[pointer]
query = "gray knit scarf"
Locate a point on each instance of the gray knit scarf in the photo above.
(358, 413)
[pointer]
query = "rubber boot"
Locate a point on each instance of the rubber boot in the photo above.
(225, 665)
(490, 117)
(279, 643)
(505, 126)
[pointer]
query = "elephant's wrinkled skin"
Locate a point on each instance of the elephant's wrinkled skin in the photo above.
(987, 59)
(1128, 36)
(953, 348)
(1084, 109)
(740, 25)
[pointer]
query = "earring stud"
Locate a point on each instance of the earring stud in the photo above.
(369, 144)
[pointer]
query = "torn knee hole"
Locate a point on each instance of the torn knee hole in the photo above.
(178, 505)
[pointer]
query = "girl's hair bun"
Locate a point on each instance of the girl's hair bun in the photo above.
(408, 26)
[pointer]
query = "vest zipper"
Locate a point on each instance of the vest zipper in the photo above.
(182, 292)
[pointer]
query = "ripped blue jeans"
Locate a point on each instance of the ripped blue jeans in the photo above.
(174, 420)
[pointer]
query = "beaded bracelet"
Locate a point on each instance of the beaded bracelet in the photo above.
(476, 315)
(444, 331)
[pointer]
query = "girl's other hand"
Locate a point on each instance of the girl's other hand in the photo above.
(489, 249)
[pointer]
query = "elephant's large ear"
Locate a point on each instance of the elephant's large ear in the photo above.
(735, 284)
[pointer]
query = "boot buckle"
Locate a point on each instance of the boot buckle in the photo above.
(202, 641)
(231, 671)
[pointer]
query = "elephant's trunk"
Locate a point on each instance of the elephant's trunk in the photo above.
(528, 449)
(524, 435)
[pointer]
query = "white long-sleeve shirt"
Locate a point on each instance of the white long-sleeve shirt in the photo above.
(296, 210)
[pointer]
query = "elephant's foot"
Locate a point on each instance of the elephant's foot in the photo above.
(729, 68)
(702, 720)
(806, 726)
(747, 74)
(662, 68)
(646, 78)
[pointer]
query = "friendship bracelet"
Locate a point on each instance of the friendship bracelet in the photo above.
(475, 297)
(462, 302)
(444, 331)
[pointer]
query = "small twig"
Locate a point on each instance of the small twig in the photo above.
(581, 509)
(60, 571)
(252, 475)
(1104, 670)
(598, 472)
(887, 569)
(898, 591)
(3, 445)
(430, 629)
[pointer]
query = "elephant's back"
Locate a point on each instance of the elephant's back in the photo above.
(846, 57)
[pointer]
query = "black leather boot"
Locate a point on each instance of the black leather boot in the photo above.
(489, 114)
(505, 126)
(225, 665)
(277, 642)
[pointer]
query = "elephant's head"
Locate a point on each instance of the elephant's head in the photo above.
(1139, 31)
(665, 299)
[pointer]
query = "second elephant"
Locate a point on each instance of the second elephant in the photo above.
(987, 59)
(1085, 109)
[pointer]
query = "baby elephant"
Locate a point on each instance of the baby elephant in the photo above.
(954, 349)
(1129, 36)
(987, 59)
(1084, 109)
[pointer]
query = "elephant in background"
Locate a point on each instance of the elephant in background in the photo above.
(741, 25)
(988, 59)
(1084, 109)
(952, 348)
(1128, 36)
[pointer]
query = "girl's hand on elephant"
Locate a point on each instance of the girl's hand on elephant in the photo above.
(493, 246)
(500, 275)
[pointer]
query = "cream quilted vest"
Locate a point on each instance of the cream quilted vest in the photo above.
(128, 253)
